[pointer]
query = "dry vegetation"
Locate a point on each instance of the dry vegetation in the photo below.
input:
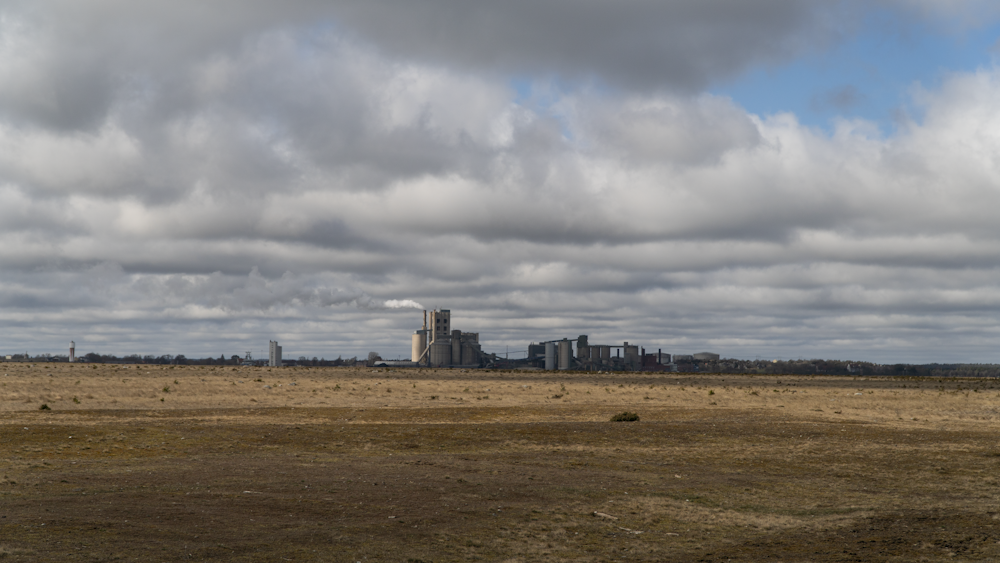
(153, 463)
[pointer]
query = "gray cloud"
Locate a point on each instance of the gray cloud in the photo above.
(359, 167)
(642, 43)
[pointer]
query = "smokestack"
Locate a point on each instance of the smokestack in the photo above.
(425, 319)
(72, 351)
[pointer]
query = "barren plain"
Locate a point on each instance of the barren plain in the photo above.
(159, 463)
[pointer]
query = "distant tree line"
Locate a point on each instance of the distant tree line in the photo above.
(763, 367)
(842, 367)
(179, 359)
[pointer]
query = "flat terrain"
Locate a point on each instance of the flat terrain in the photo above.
(155, 463)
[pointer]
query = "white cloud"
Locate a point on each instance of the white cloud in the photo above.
(356, 183)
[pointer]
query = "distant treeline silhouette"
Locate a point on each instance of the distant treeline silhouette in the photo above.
(180, 359)
(841, 367)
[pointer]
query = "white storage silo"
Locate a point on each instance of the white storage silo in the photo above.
(419, 345)
(565, 353)
(550, 356)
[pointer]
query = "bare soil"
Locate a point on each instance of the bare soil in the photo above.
(151, 463)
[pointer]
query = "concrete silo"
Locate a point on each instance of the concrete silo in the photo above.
(419, 344)
(565, 353)
(631, 356)
(606, 355)
(456, 347)
(440, 353)
(550, 356)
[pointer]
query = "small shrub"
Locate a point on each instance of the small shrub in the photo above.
(75, 400)
(625, 417)
(44, 407)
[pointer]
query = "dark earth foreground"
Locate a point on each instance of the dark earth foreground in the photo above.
(460, 484)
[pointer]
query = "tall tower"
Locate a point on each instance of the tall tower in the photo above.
(274, 354)
(419, 342)
(72, 351)
(440, 325)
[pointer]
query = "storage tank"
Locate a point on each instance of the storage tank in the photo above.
(440, 353)
(550, 356)
(456, 347)
(631, 354)
(419, 344)
(470, 354)
(606, 355)
(582, 349)
(565, 353)
(595, 354)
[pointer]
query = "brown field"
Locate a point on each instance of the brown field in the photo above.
(153, 463)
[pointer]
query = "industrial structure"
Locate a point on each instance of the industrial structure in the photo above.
(438, 345)
(72, 351)
(273, 354)
(559, 354)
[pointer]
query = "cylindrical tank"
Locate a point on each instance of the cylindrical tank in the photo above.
(631, 354)
(470, 356)
(565, 352)
(595, 354)
(440, 353)
(419, 345)
(606, 355)
(456, 347)
(582, 349)
(72, 351)
(550, 356)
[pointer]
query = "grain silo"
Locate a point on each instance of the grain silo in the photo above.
(440, 353)
(565, 353)
(550, 356)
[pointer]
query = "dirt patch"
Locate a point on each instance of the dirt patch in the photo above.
(515, 477)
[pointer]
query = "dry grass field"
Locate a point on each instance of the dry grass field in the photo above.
(156, 463)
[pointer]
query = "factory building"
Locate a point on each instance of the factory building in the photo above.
(273, 354)
(556, 355)
(438, 345)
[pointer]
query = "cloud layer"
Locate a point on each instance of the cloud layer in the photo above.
(198, 180)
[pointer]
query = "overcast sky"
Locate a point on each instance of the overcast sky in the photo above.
(773, 179)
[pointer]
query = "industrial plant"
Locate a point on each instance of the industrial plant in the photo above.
(438, 345)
